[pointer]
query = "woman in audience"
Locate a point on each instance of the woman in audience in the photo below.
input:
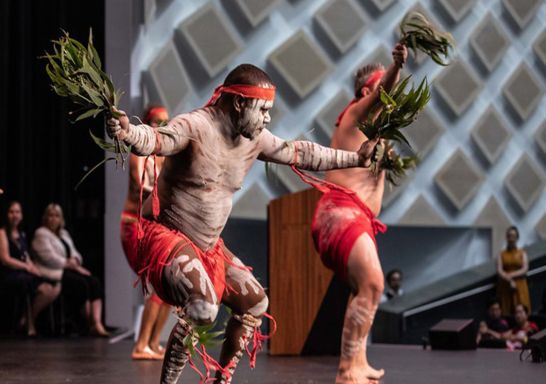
(58, 259)
(18, 274)
(524, 328)
(512, 267)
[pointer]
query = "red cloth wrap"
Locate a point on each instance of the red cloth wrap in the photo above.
(160, 244)
(376, 76)
(250, 91)
(340, 219)
(129, 243)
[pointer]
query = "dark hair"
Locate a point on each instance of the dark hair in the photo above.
(392, 272)
(515, 229)
(524, 308)
(247, 74)
(363, 74)
(5, 221)
(492, 302)
(147, 119)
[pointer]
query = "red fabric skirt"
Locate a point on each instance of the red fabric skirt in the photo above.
(129, 243)
(340, 219)
(160, 244)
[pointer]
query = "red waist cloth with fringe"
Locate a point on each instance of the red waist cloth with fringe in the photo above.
(160, 244)
(340, 219)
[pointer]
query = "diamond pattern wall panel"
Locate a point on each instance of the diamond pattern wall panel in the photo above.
(255, 11)
(421, 213)
(541, 228)
(457, 9)
(458, 85)
(342, 21)
(492, 215)
(327, 117)
(459, 179)
(314, 81)
(522, 11)
(211, 38)
(167, 80)
(541, 137)
(540, 47)
(301, 63)
(380, 5)
(489, 42)
(525, 182)
(523, 91)
(491, 135)
(424, 133)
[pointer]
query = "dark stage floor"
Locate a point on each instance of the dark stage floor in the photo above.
(96, 361)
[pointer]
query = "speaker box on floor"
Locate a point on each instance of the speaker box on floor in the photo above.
(453, 334)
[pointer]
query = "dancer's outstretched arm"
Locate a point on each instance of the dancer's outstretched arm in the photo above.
(145, 140)
(312, 156)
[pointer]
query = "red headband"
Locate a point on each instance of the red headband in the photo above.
(376, 76)
(250, 91)
(154, 112)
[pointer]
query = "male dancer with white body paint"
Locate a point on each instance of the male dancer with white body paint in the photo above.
(207, 154)
(344, 225)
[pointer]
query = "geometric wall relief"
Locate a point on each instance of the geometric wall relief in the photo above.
(424, 133)
(458, 86)
(301, 63)
(255, 11)
(252, 204)
(523, 91)
(342, 21)
(541, 227)
(160, 84)
(326, 118)
(525, 182)
(540, 47)
(299, 42)
(380, 5)
(491, 135)
(421, 213)
(459, 179)
(522, 11)
(493, 216)
(541, 138)
(210, 38)
(489, 42)
(457, 9)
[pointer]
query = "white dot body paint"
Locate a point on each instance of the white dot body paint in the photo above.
(201, 310)
(260, 308)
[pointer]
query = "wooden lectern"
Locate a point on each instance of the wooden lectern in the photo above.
(298, 281)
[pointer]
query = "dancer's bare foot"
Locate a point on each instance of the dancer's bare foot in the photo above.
(373, 374)
(158, 349)
(366, 375)
(145, 354)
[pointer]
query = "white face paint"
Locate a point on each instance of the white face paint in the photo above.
(254, 117)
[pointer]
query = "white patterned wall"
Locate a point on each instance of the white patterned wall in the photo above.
(483, 137)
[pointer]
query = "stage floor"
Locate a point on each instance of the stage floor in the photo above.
(95, 361)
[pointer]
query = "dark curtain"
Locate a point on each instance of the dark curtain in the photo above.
(43, 155)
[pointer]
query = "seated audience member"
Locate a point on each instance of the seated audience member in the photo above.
(58, 259)
(493, 327)
(518, 335)
(18, 274)
(394, 285)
